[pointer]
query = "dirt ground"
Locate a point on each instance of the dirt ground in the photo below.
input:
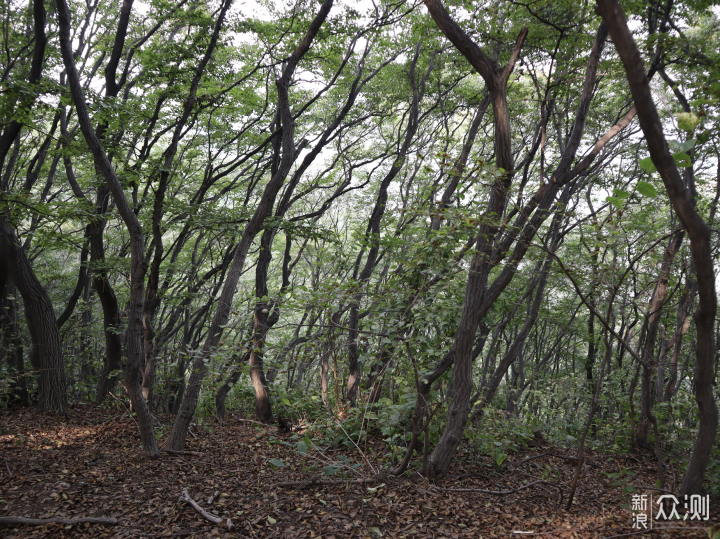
(89, 465)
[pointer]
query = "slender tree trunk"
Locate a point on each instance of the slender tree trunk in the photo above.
(138, 266)
(477, 296)
(112, 322)
(697, 231)
(178, 434)
(654, 317)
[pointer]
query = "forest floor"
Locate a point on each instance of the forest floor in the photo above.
(89, 465)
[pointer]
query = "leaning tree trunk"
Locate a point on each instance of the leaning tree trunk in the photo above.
(654, 316)
(186, 412)
(138, 266)
(41, 322)
(697, 231)
(496, 79)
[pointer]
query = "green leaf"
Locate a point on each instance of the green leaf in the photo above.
(682, 159)
(271, 520)
(647, 165)
(615, 201)
(330, 470)
(376, 531)
(276, 463)
(619, 193)
(688, 121)
(646, 189)
(688, 145)
(302, 447)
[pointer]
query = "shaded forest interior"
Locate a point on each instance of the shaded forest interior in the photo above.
(459, 257)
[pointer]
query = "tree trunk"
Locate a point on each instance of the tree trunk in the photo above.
(697, 231)
(178, 434)
(112, 321)
(138, 266)
(648, 353)
(41, 322)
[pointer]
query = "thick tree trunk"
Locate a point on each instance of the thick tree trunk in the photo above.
(697, 231)
(41, 323)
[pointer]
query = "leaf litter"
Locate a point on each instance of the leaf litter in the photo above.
(89, 464)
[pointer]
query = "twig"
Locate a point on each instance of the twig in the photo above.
(58, 520)
(356, 445)
(313, 482)
(500, 492)
(183, 453)
(548, 454)
(129, 412)
(215, 495)
(7, 467)
(222, 522)
(250, 421)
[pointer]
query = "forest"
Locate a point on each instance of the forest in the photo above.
(359, 247)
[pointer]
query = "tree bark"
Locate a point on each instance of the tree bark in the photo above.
(41, 322)
(648, 353)
(697, 231)
(134, 228)
(178, 434)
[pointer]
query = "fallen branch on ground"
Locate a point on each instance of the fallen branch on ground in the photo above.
(58, 520)
(220, 521)
(556, 456)
(215, 495)
(252, 421)
(183, 453)
(313, 482)
(502, 492)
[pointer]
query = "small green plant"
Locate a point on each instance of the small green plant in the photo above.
(622, 479)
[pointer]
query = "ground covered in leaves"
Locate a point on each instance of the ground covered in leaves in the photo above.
(89, 465)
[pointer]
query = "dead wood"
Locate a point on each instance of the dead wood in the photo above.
(313, 482)
(502, 492)
(215, 496)
(219, 521)
(548, 454)
(59, 520)
(184, 453)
